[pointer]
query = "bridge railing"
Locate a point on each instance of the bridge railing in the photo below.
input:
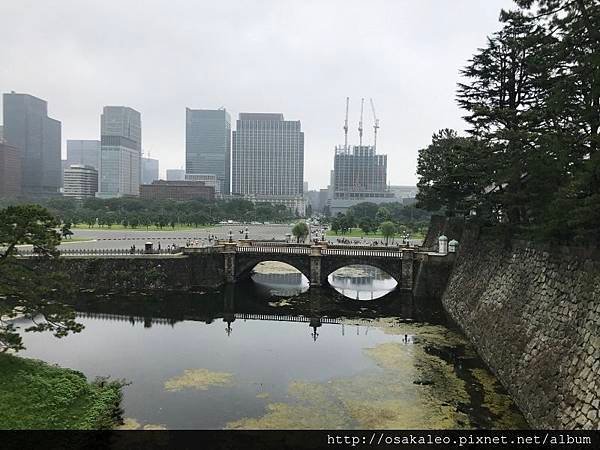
(286, 250)
(278, 244)
(361, 252)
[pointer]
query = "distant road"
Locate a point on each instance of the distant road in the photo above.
(106, 238)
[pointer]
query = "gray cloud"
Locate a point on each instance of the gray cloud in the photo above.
(301, 58)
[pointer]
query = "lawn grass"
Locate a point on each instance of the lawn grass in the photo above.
(120, 227)
(36, 395)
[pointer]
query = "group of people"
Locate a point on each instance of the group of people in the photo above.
(360, 241)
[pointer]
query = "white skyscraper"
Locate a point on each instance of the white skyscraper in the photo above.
(268, 160)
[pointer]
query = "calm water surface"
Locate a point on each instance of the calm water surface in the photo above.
(269, 353)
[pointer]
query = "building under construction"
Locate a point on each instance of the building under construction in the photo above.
(359, 173)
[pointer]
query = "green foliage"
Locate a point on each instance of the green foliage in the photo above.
(300, 231)
(369, 216)
(532, 99)
(138, 213)
(35, 395)
(367, 225)
(342, 223)
(24, 291)
(388, 230)
(453, 173)
(383, 214)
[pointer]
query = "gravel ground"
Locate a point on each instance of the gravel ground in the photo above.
(124, 239)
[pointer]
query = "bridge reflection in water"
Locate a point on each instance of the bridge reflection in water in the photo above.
(358, 282)
(243, 304)
(281, 284)
(360, 325)
(361, 282)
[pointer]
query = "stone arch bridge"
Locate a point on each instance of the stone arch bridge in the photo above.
(315, 262)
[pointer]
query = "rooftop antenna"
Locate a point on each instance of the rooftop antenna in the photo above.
(346, 126)
(375, 125)
(360, 124)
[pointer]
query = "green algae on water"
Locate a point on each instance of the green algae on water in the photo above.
(412, 387)
(200, 379)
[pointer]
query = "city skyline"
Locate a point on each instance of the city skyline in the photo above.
(408, 64)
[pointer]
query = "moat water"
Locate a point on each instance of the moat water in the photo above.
(270, 353)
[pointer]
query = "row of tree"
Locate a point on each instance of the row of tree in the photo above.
(531, 159)
(135, 213)
(388, 219)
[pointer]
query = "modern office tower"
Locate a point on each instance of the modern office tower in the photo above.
(121, 151)
(80, 181)
(1, 134)
(359, 175)
(28, 128)
(268, 160)
(175, 175)
(10, 171)
(208, 144)
(149, 170)
(84, 152)
(207, 178)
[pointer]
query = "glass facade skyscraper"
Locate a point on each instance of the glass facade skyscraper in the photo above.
(38, 139)
(83, 152)
(208, 144)
(268, 159)
(149, 170)
(121, 151)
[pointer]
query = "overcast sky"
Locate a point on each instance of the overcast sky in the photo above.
(301, 58)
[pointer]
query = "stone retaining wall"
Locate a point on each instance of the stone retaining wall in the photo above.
(533, 314)
(125, 274)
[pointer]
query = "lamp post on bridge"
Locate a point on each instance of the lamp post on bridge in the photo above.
(246, 237)
(230, 236)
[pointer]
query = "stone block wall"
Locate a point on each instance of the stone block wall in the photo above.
(533, 314)
(126, 274)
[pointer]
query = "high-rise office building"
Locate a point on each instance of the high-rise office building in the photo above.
(149, 170)
(121, 151)
(268, 160)
(10, 171)
(208, 144)
(359, 175)
(38, 138)
(175, 175)
(208, 180)
(1, 134)
(84, 152)
(80, 181)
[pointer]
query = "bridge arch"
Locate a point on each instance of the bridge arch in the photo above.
(246, 263)
(394, 269)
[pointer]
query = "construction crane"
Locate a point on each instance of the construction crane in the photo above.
(360, 124)
(346, 125)
(375, 125)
